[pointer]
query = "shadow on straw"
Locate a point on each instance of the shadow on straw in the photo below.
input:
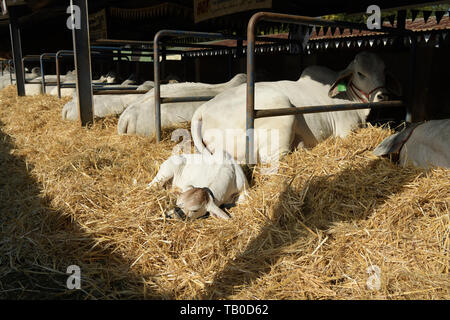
(352, 194)
(39, 243)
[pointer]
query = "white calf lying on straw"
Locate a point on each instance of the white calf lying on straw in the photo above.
(206, 182)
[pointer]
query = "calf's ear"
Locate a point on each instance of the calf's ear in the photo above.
(393, 85)
(343, 79)
(214, 210)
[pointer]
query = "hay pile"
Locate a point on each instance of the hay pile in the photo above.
(72, 196)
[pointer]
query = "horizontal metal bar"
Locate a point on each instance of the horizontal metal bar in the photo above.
(106, 48)
(48, 55)
(34, 58)
(186, 99)
(104, 84)
(40, 82)
(150, 43)
(101, 88)
(327, 108)
(108, 92)
(95, 85)
(124, 42)
(67, 85)
(197, 45)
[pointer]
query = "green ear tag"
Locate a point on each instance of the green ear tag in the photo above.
(342, 87)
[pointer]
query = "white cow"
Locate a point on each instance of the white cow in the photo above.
(6, 79)
(421, 144)
(206, 183)
(107, 105)
(71, 77)
(139, 118)
(363, 80)
(35, 85)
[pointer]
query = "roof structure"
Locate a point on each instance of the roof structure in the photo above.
(141, 19)
(419, 25)
(322, 38)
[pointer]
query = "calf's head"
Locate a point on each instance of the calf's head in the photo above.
(196, 202)
(366, 79)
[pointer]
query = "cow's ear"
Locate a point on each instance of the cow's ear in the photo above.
(393, 85)
(342, 81)
(395, 142)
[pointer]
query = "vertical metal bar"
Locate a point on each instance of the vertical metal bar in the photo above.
(10, 72)
(58, 74)
(230, 63)
(41, 61)
(239, 55)
(16, 50)
(82, 54)
(157, 88)
(163, 62)
(119, 60)
(185, 72)
(250, 122)
(412, 79)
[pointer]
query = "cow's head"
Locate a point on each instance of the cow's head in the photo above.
(196, 202)
(111, 77)
(366, 79)
(36, 71)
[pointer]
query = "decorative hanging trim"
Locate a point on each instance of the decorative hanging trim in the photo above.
(414, 14)
(426, 15)
(439, 15)
(161, 10)
(391, 19)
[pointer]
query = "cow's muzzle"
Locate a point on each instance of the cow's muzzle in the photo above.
(176, 213)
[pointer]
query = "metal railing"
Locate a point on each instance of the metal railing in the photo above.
(252, 114)
(99, 88)
(157, 71)
(41, 62)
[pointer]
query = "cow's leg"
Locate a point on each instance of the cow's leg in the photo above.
(242, 197)
(167, 170)
(304, 137)
(275, 142)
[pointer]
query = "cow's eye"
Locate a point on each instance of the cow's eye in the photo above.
(361, 75)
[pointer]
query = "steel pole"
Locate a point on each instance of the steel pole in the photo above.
(157, 88)
(17, 50)
(82, 54)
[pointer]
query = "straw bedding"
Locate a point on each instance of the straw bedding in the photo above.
(75, 196)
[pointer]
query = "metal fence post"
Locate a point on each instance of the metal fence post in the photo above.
(157, 88)
(82, 55)
(17, 50)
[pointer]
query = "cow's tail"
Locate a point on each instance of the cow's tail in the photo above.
(196, 131)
